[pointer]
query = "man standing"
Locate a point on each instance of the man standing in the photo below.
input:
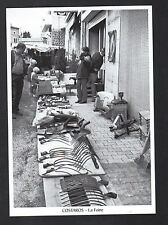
(97, 61)
(19, 70)
(83, 71)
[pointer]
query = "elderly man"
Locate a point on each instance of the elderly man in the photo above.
(97, 61)
(83, 71)
(18, 69)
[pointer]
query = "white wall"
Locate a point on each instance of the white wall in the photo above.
(72, 39)
(130, 72)
(134, 60)
(112, 69)
(57, 21)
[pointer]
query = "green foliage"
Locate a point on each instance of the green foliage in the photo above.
(26, 34)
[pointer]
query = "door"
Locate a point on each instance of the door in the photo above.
(97, 40)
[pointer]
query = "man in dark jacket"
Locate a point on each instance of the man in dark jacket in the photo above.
(97, 61)
(18, 69)
(83, 72)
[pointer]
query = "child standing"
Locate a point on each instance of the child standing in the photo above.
(34, 80)
(33, 62)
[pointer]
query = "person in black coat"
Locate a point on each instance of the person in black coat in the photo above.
(96, 61)
(83, 72)
(18, 70)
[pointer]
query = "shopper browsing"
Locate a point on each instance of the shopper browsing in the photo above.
(18, 70)
(97, 61)
(83, 71)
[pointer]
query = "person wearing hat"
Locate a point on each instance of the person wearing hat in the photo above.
(33, 62)
(97, 61)
(18, 70)
(83, 71)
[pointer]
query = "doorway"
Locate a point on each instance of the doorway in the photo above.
(97, 37)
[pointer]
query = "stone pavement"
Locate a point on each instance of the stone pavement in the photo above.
(130, 181)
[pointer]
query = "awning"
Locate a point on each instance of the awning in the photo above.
(41, 47)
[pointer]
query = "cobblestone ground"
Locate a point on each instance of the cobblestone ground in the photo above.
(130, 181)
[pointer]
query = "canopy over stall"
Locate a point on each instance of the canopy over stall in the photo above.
(41, 47)
(47, 56)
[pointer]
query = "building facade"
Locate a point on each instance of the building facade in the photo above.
(53, 33)
(125, 36)
(46, 34)
(72, 35)
(14, 35)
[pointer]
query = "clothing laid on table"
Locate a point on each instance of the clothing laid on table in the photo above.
(18, 71)
(97, 61)
(83, 72)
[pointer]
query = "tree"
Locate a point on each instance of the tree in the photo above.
(26, 34)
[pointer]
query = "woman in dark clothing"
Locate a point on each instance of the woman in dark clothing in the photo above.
(83, 72)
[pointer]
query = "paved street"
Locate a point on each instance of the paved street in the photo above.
(130, 181)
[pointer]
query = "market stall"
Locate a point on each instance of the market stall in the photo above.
(47, 56)
(68, 164)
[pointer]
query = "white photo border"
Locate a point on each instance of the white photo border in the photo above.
(62, 211)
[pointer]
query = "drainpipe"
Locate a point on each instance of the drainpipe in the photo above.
(119, 59)
(83, 35)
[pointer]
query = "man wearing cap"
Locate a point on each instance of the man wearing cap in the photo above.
(18, 69)
(97, 61)
(83, 71)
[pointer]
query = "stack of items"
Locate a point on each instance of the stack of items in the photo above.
(52, 101)
(49, 106)
(83, 191)
(63, 146)
(64, 149)
(58, 88)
